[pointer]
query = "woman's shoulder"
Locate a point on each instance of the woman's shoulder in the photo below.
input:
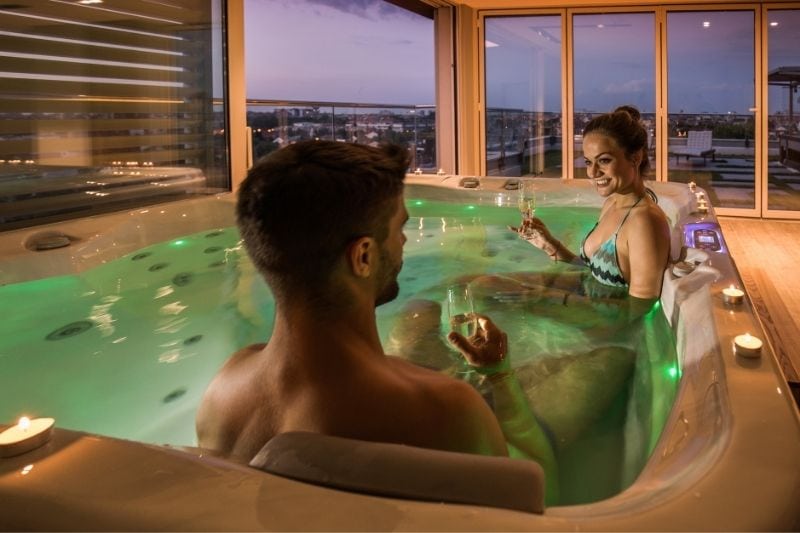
(649, 220)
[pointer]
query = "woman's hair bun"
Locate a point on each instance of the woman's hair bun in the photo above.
(629, 109)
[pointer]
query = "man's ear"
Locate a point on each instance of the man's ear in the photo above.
(361, 256)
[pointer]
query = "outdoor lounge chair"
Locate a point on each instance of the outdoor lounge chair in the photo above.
(698, 144)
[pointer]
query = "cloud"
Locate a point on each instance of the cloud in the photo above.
(369, 9)
(630, 86)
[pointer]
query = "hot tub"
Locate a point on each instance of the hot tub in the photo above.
(728, 456)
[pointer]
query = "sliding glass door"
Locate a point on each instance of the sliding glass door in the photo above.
(522, 58)
(711, 74)
(783, 112)
(613, 65)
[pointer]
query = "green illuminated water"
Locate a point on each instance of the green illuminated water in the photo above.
(126, 349)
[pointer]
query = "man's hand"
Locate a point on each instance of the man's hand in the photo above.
(487, 350)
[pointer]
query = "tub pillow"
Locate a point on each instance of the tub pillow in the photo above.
(400, 471)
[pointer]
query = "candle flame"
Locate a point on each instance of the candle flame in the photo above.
(24, 423)
(732, 287)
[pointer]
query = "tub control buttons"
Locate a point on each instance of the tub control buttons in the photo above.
(707, 239)
(705, 236)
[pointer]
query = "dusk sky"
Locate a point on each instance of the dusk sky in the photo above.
(338, 50)
(372, 51)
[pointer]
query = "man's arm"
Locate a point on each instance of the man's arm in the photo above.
(487, 352)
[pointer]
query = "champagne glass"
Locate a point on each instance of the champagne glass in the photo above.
(462, 319)
(461, 309)
(526, 199)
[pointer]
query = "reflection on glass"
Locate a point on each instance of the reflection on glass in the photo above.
(783, 108)
(711, 69)
(614, 65)
(523, 96)
(104, 109)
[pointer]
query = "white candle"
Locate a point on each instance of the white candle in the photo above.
(747, 345)
(732, 295)
(692, 186)
(25, 436)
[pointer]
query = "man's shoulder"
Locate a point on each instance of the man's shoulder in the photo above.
(438, 390)
(238, 360)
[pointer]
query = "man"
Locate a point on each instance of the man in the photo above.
(323, 223)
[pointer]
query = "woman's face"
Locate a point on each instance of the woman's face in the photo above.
(608, 167)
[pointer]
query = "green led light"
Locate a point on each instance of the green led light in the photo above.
(419, 202)
(673, 371)
(179, 242)
(470, 207)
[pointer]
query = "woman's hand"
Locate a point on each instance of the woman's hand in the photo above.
(486, 350)
(535, 232)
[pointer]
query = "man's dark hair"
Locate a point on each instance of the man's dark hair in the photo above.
(300, 207)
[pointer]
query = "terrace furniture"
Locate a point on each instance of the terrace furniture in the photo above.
(698, 144)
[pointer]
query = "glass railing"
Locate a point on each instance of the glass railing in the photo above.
(523, 143)
(276, 123)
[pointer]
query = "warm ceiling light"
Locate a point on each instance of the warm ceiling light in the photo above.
(706, 24)
(490, 44)
(89, 2)
(773, 24)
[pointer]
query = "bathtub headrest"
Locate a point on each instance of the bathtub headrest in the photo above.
(410, 472)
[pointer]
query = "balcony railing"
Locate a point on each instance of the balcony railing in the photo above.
(275, 123)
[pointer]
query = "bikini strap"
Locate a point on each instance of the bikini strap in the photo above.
(626, 214)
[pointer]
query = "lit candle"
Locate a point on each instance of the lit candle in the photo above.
(747, 346)
(692, 186)
(25, 436)
(732, 295)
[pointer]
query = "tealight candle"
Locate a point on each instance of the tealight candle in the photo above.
(732, 295)
(747, 345)
(25, 436)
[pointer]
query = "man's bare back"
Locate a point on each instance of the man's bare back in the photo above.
(259, 393)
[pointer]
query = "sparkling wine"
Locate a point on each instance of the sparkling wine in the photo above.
(463, 324)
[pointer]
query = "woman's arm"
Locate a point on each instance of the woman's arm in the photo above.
(535, 232)
(646, 250)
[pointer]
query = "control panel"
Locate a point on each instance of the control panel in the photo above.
(704, 236)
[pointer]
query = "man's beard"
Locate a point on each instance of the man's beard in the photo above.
(390, 288)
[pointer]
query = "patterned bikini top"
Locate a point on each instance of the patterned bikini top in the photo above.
(604, 264)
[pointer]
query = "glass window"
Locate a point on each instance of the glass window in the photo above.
(348, 71)
(523, 96)
(613, 65)
(783, 106)
(711, 73)
(104, 108)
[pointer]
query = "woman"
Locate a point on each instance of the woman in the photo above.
(626, 254)
(629, 246)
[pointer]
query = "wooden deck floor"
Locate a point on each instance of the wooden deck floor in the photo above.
(767, 255)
